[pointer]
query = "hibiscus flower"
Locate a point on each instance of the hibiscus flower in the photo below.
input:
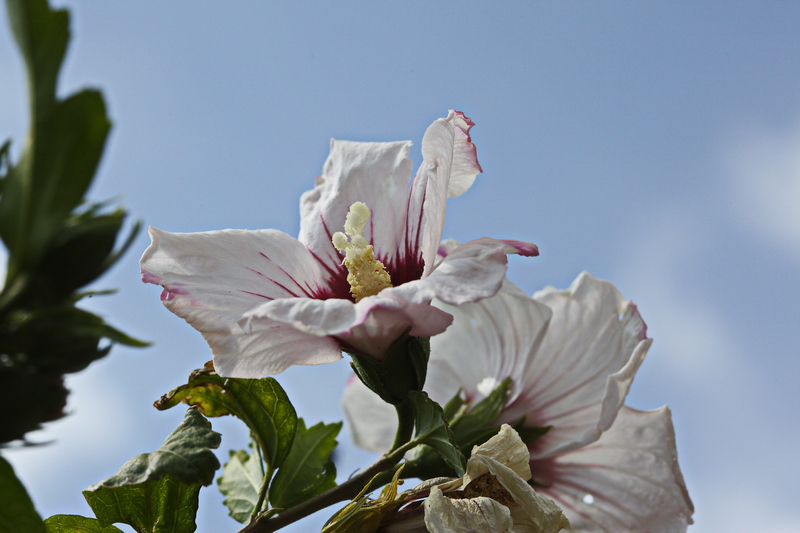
(265, 301)
(571, 356)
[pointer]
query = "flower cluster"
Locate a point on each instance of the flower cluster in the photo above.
(368, 272)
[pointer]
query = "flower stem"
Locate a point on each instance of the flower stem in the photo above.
(405, 424)
(346, 491)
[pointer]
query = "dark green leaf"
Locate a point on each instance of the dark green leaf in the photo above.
(454, 407)
(528, 434)
(243, 476)
(17, 513)
(159, 506)
(260, 403)
(185, 454)
(475, 425)
(308, 470)
(432, 429)
(70, 523)
(402, 369)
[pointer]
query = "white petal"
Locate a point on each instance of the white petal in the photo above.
(579, 377)
(508, 449)
(210, 279)
(476, 515)
(372, 421)
(470, 272)
(465, 165)
(488, 341)
(376, 174)
(629, 480)
(532, 512)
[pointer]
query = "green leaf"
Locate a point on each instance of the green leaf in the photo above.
(159, 506)
(42, 35)
(185, 454)
(308, 470)
(243, 476)
(70, 523)
(432, 429)
(17, 513)
(474, 425)
(260, 403)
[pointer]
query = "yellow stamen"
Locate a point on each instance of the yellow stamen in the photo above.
(366, 275)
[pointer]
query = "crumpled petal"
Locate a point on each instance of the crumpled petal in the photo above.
(629, 480)
(478, 515)
(369, 326)
(210, 279)
(507, 448)
(531, 512)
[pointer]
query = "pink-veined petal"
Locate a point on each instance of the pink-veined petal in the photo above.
(376, 174)
(371, 421)
(629, 480)
(470, 272)
(488, 342)
(268, 348)
(465, 165)
(210, 279)
(579, 377)
(368, 327)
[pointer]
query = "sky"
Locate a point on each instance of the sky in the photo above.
(656, 145)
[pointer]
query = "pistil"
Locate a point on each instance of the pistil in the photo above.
(366, 275)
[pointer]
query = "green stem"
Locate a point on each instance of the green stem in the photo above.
(405, 424)
(346, 491)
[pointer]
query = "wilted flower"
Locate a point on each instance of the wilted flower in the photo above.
(265, 301)
(572, 356)
(493, 496)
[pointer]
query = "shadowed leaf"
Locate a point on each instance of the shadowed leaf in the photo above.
(243, 476)
(70, 523)
(17, 513)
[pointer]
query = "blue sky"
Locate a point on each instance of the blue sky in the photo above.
(654, 145)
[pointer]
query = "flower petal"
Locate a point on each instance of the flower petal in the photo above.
(579, 377)
(532, 512)
(629, 480)
(478, 515)
(507, 448)
(369, 327)
(210, 279)
(465, 166)
(448, 169)
(376, 174)
(470, 272)
(488, 342)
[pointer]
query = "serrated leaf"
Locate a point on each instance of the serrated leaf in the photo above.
(308, 470)
(185, 455)
(161, 506)
(17, 513)
(70, 523)
(432, 429)
(260, 403)
(241, 481)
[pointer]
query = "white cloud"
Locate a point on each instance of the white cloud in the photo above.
(763, 173)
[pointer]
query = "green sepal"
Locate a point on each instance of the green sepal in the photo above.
(431, 428)
(241, 481)
(308, 469)
(160, 506)
(473, 426)
(71, 523)
(404, 368)
(363, 515)
(17, 512)
(260, 403)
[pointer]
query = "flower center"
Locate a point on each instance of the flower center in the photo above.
(366, 275)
